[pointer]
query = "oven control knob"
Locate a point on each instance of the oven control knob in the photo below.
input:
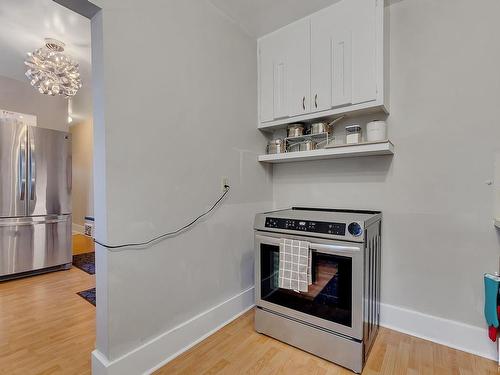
(355, 229)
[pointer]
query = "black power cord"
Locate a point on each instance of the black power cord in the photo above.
(165, 235)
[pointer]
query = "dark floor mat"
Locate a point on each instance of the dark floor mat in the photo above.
(85, 262)
(88, 295)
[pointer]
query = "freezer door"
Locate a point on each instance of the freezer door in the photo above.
(49, 172)
(13, 157)
(34, 243)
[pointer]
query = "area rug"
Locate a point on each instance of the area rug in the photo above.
(88, 295)
(85, 261)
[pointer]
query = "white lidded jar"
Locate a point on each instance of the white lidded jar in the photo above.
(353, 134)
(376, 131)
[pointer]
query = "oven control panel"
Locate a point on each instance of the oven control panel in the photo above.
(337, 229)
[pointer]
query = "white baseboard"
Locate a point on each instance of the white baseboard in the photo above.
(156, 353)
(451, 333)
(77, 228)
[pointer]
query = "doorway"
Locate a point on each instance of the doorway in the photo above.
(47, 321)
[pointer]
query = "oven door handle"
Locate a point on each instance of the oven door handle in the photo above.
(268, 240)
(322, 248)
(334, 249)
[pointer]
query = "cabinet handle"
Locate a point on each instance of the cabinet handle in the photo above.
(304, 103)
(316, 100)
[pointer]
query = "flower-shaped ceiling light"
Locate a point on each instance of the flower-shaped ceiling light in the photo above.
(51, 71)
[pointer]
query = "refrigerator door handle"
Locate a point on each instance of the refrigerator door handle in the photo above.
(22, 171)
(32, 172)
(30, 221)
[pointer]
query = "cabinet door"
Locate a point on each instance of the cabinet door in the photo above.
(273, 73)
(341, 69)
(32, 243)
(13, 173)
(284, 70)
(322, 29)
(49, 172)
(343, 55)
(298, 85)
(364, 47)
(266, 81)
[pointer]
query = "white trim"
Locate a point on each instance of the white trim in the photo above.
(77, 228)
(162, 349)
(154, 354)
(446, 332)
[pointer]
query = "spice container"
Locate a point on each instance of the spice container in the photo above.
(353, 134)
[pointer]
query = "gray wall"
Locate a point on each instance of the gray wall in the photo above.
(438, 233)
(180, 111)
(17, 96)
(176, 110)
(82, 162)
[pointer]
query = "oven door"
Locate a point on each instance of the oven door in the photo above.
(334, 300)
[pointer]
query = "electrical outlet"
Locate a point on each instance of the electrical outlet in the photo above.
(225, 182)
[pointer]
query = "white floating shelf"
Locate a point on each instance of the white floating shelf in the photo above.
(343, 151)
(497, 222)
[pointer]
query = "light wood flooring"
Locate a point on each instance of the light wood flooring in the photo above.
(82, 244)
(45, 327)
(238, 349)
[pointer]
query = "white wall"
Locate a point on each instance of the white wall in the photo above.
(17, 96)
(180, 111)
(82, 162)
(176, 110)
(438, 233)
(497, 187)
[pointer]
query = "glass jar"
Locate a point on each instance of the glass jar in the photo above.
(353, 134)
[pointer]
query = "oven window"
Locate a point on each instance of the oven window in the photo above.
(328, 297)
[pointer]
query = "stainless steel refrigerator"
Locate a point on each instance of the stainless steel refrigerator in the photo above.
(35, 200)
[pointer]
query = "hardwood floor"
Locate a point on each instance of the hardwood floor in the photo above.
(45, 327)
(82, 244)
(238, 349)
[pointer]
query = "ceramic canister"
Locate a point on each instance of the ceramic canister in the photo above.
(376, 131)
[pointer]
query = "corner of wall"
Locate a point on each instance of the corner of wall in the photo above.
(170, 344)
(442, 331)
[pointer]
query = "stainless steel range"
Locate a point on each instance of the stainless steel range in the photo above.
(337, 318)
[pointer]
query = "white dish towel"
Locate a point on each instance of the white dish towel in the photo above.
(295, 265)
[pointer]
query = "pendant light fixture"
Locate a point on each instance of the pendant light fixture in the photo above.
(51, 71)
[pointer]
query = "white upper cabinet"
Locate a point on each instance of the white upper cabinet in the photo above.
(284, 72)
(299, 79)
(272, 78)
(343, 54)
(329, 63)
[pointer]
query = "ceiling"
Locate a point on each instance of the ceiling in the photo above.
(23, 26)
(259, 17)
